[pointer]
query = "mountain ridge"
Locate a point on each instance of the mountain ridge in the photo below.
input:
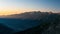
(29, 15)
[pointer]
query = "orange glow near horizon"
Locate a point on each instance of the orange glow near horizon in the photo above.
(19, 11)
(9, 7)
(9, 12)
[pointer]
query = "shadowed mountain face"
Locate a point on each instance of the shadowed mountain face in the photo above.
(48, 25)
(31, 23)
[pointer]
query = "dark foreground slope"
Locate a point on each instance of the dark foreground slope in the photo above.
(11, 26)
(49, 25)
(5, 30)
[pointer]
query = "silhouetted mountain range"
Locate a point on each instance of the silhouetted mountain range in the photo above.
(31, 23)
(29, 15)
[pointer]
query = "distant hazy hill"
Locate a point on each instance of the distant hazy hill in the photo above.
(29, 15)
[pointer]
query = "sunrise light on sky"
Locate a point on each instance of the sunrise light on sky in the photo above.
(18, 6)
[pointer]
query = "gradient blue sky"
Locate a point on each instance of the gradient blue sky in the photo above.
(28, 5)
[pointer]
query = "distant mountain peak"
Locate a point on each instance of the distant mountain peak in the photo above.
(29, 15)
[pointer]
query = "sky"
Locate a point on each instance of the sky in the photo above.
(19, 6)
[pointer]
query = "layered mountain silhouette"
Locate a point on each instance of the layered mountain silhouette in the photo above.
(29, 15)
(31, 23)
